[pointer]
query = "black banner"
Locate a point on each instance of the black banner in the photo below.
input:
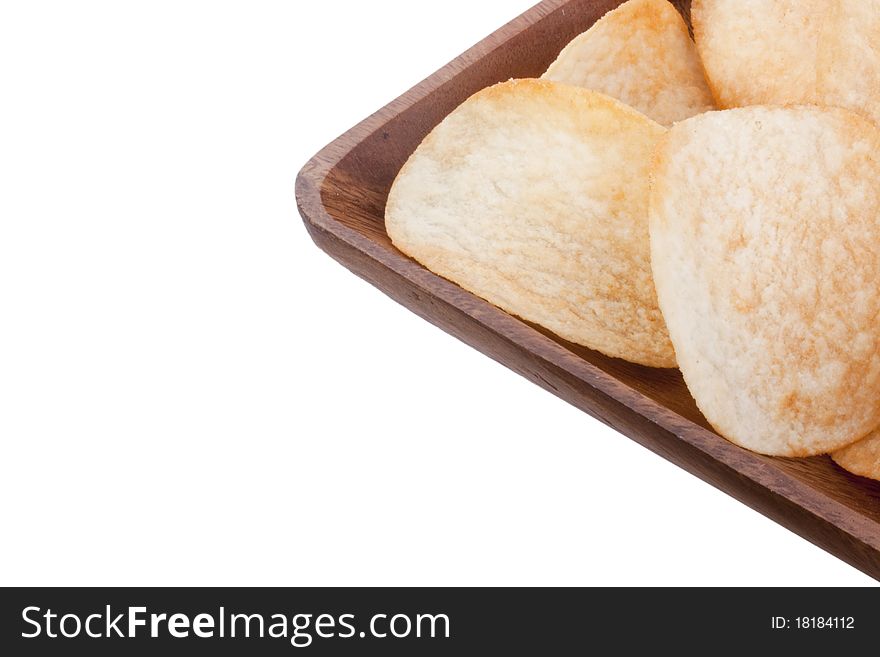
(120, 621)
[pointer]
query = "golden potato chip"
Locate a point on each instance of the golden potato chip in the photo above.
(640, 53)
(533, 195)
(849, 57)
(861, 458)
(765, 246)
(759, 52)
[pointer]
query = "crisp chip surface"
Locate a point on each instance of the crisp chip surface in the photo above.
(640, 53)
(768, 280)
(533, 195)
(783, 52)
(849, 57)
(861, 458)
(759, 52)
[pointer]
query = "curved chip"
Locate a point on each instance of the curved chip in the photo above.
(781, 52)
(861, 458)
(759, 52)
(765, 245)
(533, 195)
(849, 57)
(640, 53)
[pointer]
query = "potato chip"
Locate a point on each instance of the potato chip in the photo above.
(765, 245)
(533, 195)
(849, 57)
(760, 52)
(861, 458)
(640, 53)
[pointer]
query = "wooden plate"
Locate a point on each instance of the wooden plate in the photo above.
(341, 195)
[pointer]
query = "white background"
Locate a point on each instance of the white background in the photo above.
(191, 393)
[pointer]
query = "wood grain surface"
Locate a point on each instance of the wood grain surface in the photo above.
(341, 194)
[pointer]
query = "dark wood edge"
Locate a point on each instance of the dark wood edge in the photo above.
(773, 492)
